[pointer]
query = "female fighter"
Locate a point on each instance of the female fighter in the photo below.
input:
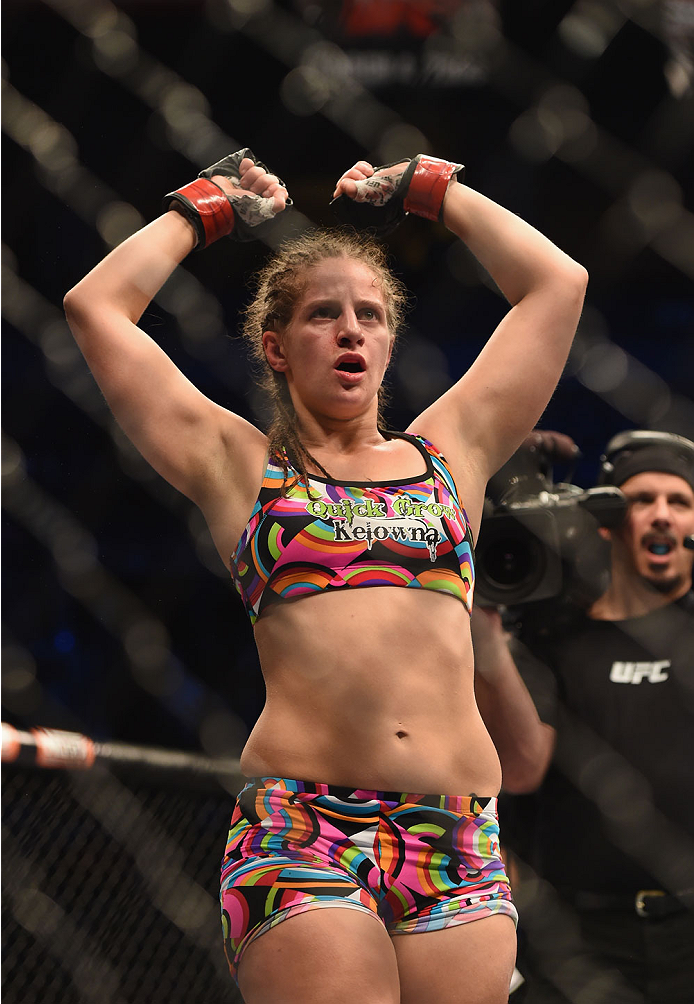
(362, 862)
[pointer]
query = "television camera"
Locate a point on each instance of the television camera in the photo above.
(538, 540)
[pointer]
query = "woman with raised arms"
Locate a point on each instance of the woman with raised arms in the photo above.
(362, 863)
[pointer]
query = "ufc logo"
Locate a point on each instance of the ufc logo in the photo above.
(635, 672)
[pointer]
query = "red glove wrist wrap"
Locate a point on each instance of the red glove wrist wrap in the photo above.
(428, 187)
(208, 208)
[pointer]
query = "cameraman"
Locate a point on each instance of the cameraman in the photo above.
(605, 846)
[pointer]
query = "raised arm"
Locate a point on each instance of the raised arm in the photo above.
(485, 416)
(493, 407)
(186, 437)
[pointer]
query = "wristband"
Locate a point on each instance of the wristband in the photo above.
(207, 207)
(420, 188)
(243, 216)
(428, 186)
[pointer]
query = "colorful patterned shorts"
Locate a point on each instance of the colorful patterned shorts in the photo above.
(416, 862)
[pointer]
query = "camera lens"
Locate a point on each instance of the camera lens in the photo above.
(510, 561)
(517, 557)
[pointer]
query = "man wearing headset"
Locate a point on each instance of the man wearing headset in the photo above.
(605, 845)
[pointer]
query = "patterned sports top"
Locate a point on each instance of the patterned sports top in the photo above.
(400, 533)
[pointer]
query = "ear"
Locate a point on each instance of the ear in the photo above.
(605, 533)
(274, 352)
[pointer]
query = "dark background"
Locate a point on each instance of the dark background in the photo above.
(119, 618)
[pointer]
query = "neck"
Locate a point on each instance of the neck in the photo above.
(320, 433)
(629, 595)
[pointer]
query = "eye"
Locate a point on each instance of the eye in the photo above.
(369, 314)
(323, 311)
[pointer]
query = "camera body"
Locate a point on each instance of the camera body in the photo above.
(538, 540)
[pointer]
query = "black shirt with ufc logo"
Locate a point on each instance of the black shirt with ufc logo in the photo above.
(615, 813)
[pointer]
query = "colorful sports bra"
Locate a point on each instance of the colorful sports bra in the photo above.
(401, 533)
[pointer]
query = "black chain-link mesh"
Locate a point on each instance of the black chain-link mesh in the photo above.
(110, 891)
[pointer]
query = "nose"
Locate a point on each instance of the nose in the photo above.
(349, 332)
(661, 512)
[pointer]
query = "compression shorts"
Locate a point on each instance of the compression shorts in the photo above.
(415, 862)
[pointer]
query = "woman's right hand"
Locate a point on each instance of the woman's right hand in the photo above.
(255, 180)
(237, 197)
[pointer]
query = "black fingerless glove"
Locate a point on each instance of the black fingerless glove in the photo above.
(214, 214)
(417, 186)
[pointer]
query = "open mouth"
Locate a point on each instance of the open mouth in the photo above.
(660, 547)
(350, 364)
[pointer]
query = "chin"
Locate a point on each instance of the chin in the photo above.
(664, 585)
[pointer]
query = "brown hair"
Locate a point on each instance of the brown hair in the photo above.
(278, 287)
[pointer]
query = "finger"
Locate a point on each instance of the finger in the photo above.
(263, 184)
(359, 171)
(245, 165)
(346, 186)
(256, 180)
(277, 189)
(250, 175)
(564, 445)
(279, 196)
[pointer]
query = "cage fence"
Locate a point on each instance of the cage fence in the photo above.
(112, 852)
(111, 874)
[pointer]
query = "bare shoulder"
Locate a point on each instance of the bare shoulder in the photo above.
(465, 460)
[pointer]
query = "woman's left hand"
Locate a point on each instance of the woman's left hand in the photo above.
(364, 183)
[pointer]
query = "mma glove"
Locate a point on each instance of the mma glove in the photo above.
(417, 186)
(242, 216)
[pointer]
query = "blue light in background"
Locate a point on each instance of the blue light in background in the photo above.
(64, 641)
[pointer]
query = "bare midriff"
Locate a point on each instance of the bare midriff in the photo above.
(372, 688)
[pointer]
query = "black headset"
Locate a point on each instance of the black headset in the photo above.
(628, 442)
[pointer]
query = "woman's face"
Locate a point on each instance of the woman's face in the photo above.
(335, 350)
